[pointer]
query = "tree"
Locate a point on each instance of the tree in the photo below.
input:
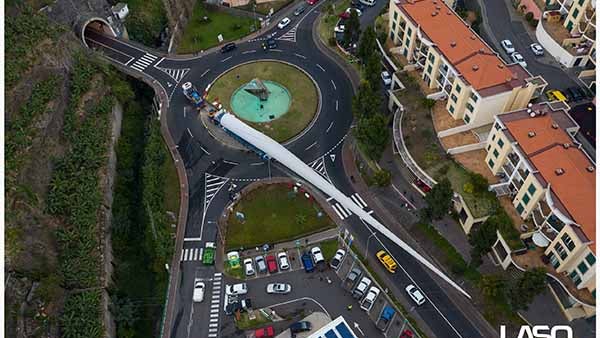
(382, 178)
(367, 102)
(367, 45)
(482, 238)
(372, 71)
(351, 29)
(480, 184)
(372, 133)
(492, 286)
(531, 284)
(438, 201)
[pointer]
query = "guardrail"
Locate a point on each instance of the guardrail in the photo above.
(404, 154)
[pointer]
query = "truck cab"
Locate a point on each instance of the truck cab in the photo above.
(192, 94)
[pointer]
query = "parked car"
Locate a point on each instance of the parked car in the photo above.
(407, 334)
(350, 9)
(339, 28)
(388, 262)
(369, 300)
(537, 49)
(555, 95)
(236, 289)
(228, 47)
(307, 261)
(386, 77)
(421, 185)
(261, 266)
(337, 259)
(198, 295)
(357, 4)
(415, 294)
(508, 46)
(362, 288)
(573, 94)
(265, 332)
(249, 267)
(299, 10)
(302, 326)
(279, 288)
(354, 275)
(246, 304)
(283, 23)
(269, 44)
(518, 58)
(369, 3)
(284, 263)
(271, 264)
(311, 2)
(317, 255)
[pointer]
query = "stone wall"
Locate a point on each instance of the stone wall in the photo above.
(179, 13)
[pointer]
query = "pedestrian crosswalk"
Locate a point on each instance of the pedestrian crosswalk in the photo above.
(213, 184)
(289, 35)
(191, 254)
(343, 212)
(143, 62)
(318, 165)
(215, 302)
(174, 73)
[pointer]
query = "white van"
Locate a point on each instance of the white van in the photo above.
(368, 2)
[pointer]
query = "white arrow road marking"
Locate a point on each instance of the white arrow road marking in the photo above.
(332, 157)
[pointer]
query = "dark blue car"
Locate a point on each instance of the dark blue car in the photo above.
(307, 261)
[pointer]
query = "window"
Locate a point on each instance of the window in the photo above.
(575, 277)
(470, 107)
(392, 36)
(407, 41)
(569, 25)
(395, 15)
(575, 13)
(496, 153)
(520, 208)
(500, 143)
(451, 109)
(491, 163)
(526, 198)
(568, 242)
(458, 88)
(409, 31)
(393, 26)
(454, 98)
(474, 97)
(493, 137)
(582, 267)
(488, 147)
(429, 69)
(581, 2)
(591, 259)
(497, 126)
(466, 118)
(561, 251)
(431, 58)
(553, 260)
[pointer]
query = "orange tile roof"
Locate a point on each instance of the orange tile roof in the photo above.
(464, 49)
(576, 187)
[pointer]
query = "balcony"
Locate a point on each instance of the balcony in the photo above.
(509, 168)
(535, 258)
(514, 159)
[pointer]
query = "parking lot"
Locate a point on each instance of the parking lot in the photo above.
(326, 291)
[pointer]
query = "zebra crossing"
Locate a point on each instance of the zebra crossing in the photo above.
(143, 62)
(215, 302)
(212, 184)
(175, 74)
(289, 35)
(318, 165)
(191, 255)
(343, 212)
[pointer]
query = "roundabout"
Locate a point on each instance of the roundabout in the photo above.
(293, 97)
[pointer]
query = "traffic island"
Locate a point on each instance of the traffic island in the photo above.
(292, 102)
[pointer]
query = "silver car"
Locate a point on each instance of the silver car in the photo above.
(261, 266)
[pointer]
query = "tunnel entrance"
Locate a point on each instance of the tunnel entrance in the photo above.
(96, 26)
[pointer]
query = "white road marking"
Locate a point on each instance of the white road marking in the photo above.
(320, 67)
(206, 71)
(257, 163)
(333, 84)
(329, 198)
(204, 150)
(328, 128)
(300, 56)
(337, 212)
(189, 132)
(230, 162)
(225, 59)
(191, 239)
(249, 51)
(336, 103)
(312, 145)
(277, 50)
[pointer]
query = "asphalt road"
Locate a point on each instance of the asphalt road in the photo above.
(212, 167)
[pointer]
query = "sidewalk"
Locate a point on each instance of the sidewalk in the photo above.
(303, 241)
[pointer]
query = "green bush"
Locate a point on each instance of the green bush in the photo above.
(382, 178)
(82, 316)
(529, 16)
(332, 41)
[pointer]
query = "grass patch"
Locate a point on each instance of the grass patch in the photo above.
(244, 323)
(264, 8)
(202, 34)
(274, 214)
(237, 273)
(304, 95)
(478, 205)
(329, 247)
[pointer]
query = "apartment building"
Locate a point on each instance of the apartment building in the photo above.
(568, 32)
(457, 64)
(551, 182)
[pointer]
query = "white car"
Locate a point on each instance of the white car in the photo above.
(284, 263)
(339, 28)
(518, 58)
(415, 294)
(358, 11)
(236, 289)
(198, 295)
(279, 288)
(337, 259)
(386, 77)
(249, 267)
(508, 46)
(317, 255)
(537, 49)
(362, 287)
(369, 300)
(283, 23)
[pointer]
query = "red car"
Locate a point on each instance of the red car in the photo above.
(405, 334)
(424, 187)
(265, 332)
(312, 2)
(271, 263)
